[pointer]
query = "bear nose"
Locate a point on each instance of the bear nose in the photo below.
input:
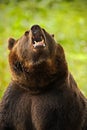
(35, 29)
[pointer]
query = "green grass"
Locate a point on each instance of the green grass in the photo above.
(68, 22)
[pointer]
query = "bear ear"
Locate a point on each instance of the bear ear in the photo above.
(52, 35)
(11, 42)
(26, 33)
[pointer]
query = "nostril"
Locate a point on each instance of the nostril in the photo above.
(35, 29)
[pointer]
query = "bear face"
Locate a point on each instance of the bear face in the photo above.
(35, 59)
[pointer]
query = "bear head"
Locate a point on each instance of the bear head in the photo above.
(36, 60)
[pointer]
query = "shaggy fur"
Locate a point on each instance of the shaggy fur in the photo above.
(42, 94)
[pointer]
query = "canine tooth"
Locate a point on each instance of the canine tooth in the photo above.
(35, 42)
(44, 45)
(42, 41)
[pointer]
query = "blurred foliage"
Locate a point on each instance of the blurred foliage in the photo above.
(67, 19)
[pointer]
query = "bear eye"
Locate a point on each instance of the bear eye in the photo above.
(26, 33)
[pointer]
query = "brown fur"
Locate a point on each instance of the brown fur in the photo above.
(42, 94)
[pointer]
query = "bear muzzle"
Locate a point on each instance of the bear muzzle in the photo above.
(38, 38)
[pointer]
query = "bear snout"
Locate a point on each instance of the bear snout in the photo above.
(38, 39)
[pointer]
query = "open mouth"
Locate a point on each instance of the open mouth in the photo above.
(38, 42)
(38, 39)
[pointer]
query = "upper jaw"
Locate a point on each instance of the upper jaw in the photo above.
(38, 39)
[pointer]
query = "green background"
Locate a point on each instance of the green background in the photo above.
(66, 19)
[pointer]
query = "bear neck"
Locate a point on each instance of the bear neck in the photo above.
(35, 90)
(42, 77)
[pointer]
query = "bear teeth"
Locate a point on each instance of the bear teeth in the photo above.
(38, 44)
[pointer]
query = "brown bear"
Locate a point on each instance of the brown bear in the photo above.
(42, 94)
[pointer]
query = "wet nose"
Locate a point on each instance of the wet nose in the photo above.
(35, 29)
